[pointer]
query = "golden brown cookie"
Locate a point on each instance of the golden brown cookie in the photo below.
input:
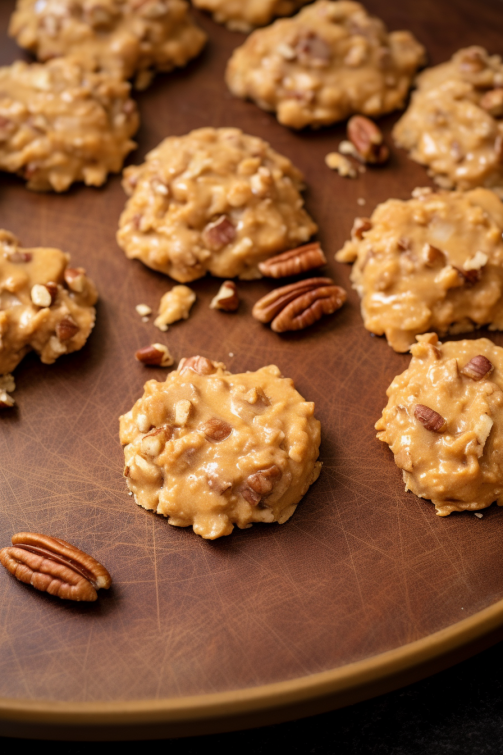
(444, 423)
(214, 200)
(433, 262)
(329, 61)
(454, 124)
(211, 450)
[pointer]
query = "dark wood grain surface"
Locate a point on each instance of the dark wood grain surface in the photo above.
(360, 569)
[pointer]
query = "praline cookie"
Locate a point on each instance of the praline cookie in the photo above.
(45, 305)
(214, 200)
(433, 262)
(120, 37)
(211, 450)
(454, 124)
(243, 15)
(329, 61)
(60, 123)
(444, 423)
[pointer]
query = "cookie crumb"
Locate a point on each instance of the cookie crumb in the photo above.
(341, 164)
(231, 354)
(144, 311)
(361, 201)
(478, 514)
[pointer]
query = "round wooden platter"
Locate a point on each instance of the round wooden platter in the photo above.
(364, 589)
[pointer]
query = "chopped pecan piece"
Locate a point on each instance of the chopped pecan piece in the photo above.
(477, 368)
(41, 295)
(218, 234)
(66, 328)
(20, 257)
(469, 276)
(153, 443)
(294, 262)
(368, 139)
(360, 226)
(216, 484)
(201, 365)
(156, 355)
(431, 419)
(300, 304)
(54, 566)
(312, 50)
(216, 429)
(75, 279)
(433, 256)
(341, 164)
(227, 298)
(260, 484)
(183, 409)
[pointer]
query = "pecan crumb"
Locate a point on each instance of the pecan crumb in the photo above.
(341, 164)
(156, 355)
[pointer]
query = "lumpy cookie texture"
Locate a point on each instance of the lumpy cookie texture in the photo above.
(215, 200)
(434, 262)
(60, 123)
(120, 37)
(454, 124)
(211, 450)
(444, 423)
(45, 305)
(243, 15)
(331, 60)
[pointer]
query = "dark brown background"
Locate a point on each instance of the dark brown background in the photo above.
(360, 569)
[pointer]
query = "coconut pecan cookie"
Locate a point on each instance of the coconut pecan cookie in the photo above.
(121, 37)
(329, 61)
(215, 200)
(60, 123)
(45, 305)
(209, 449)
(434, 262)
(243, 15)
(444, 423)
(454, 124)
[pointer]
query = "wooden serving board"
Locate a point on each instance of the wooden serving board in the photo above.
(361, 571)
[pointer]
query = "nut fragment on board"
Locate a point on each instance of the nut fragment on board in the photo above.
(175, 305)
(367, 139)
(294, 261)
(300, 304)
(156, 354)
(227, 298)
(341, 164)
(7, 386)
(54, 566)
(143, 310)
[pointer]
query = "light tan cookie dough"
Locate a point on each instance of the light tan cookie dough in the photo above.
(331, 60)
(60, 123)
(215, 200)
(434, 262)
(444, 423)
(44, 304)
(120, 37)
(209, 449)
(244, 15)
(454, 124)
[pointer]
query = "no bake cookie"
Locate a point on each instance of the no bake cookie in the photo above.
(444, 423)
(454, 124)
(329, 61)
(45, 305)
(214, 200)
(433, 262)
(121, 37)
(243, 15)
(60, 123)
(211, 450)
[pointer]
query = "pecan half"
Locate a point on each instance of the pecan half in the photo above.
(66, 328)
(300, 304)
(201, 365)
(218, 234)
(156, 355)
(216, 429)
(431, 419)
(477, 368)
(368, 139)
(294, 262)
(54, 566)
(227, 298)
(260, 484)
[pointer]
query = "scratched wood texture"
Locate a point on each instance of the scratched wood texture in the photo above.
(361, 568)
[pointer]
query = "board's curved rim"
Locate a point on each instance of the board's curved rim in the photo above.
(254, 706)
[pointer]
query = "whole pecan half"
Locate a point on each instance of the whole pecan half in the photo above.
(300, 304)
(477, 368)
(54, 566)
(294, 262)
(368, 139)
